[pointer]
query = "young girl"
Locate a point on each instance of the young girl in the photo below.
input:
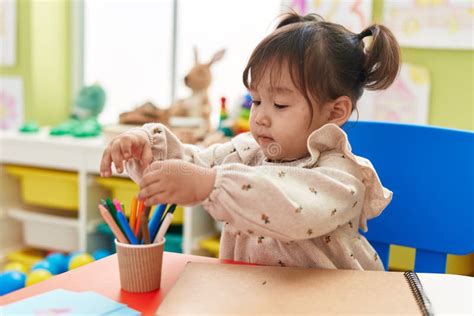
(290, 192)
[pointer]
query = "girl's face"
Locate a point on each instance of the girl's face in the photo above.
(280, 117)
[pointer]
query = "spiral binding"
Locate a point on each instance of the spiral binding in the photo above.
(420, 296)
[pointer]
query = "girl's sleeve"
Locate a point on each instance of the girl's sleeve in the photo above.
(293, 203)
(165, 145)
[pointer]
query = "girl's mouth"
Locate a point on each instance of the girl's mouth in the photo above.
(265, 139)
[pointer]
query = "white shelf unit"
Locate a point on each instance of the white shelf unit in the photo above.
(36, 236)
(81, 156)
(198, 225)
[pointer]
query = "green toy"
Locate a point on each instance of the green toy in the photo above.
(83, 120)
(29, 127)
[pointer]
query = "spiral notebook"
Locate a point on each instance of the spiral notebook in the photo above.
(216, 289)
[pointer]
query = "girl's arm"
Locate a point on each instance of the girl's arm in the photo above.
(294, 203)
(165, 145)
(284, 203)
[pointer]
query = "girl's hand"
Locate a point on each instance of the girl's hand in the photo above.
(131, 144)
(176, 182)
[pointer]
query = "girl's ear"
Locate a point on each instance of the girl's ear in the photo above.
(339, 110)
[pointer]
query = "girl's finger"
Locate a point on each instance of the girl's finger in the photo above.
(150, 177)
(117, 157)
(105, 163)
(126, 148)
(157, 199)
(150, 190)
(147, 156)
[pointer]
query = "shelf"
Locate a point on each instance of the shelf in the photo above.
(47, 231)
(62, 152)
(24, 225)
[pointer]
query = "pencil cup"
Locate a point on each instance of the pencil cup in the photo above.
(140, 266)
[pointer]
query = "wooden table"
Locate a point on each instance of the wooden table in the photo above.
(103, 277)
(449, 294)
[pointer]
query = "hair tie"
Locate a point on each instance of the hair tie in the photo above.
(364, 33)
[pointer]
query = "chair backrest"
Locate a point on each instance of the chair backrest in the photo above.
(431, 173)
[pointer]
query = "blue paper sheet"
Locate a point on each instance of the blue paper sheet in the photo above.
(63, 302)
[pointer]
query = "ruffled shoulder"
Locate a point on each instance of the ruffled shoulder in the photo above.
(331, 137)
(246, 146)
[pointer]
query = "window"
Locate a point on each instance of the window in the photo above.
(128, 47)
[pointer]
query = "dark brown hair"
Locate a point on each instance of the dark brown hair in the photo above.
(326, 60)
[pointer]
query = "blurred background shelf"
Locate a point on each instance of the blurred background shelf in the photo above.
(50, 191)
(48, 231)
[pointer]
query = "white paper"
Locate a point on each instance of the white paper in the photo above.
(7, 32)
(431, 24)
(355, 15)
(11, 102)
(449, 294)
(405, 101)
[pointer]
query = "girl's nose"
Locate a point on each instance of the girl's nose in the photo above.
(263, 119)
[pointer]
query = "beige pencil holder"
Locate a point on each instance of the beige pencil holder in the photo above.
(140, 266)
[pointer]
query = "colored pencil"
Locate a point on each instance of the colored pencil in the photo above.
(112, 224)
(171, 210)
(141, 211)
(117, 205)
(133, 212)
(145, 232)
(128, 231)
(164, 227)
(154, 223)
(141, 205)
(110, 206)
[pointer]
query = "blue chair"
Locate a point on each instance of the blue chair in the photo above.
(431, 173)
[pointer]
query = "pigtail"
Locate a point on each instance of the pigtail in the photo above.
(382, 61)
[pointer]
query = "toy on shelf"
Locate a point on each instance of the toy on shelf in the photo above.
(16, 266)
(79, 260)
(11, 281)
(225, 125)
(229, 127)
(29, 127)
(146, 113)
(58, 260)
(242, 125)
(83, 119)
(45, 265)
(30, 266)
(198, 79)
(26, 257)
(37, 276)
(101, 253)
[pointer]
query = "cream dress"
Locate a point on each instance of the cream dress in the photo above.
(304, 213)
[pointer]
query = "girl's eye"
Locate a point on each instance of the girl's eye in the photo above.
(280, 106)
(256, 103)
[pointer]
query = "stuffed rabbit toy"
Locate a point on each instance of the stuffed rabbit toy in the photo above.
(198, 80)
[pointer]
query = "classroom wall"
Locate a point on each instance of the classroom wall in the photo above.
(452, 81)
(44, 62)
(43, 59)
